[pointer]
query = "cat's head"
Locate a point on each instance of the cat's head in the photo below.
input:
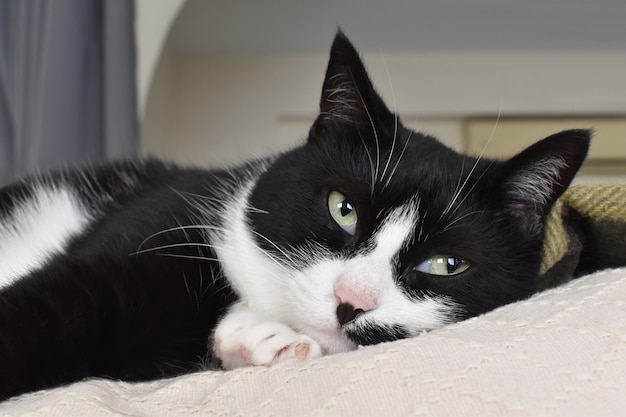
(372, 232)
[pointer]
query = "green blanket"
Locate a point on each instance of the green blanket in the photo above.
(584, 232)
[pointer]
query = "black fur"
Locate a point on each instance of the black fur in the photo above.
(101, 311)
(112, 307)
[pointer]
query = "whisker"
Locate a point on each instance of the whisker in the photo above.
(256, 209)
(459, 218)
(199, 258)
(178, 229)
(183, 230)
(482, 153)
(369, 156)
(196, 195)
(219, 201)
(456, 189)
(395, 113)
(393, 171)
(274, 259)
(371, 120)
(469, 192)
(173, 245)
(420, 232)
(285, 254)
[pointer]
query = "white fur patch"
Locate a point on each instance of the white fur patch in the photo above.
(243, 338)
(37, 229)
(258, 278)
(307, 300)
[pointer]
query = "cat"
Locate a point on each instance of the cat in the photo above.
(367, 233)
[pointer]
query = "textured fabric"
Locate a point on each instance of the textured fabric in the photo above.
(585, 231)
(67, 84)
(560, 353)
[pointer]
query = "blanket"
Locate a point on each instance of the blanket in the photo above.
(560, 353)
(585, 232)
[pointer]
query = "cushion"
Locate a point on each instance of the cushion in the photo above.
(560, 353)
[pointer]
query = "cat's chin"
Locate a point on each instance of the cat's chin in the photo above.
(338, 346)
(353, 336)
(333, 341)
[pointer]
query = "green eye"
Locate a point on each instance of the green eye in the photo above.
(342, 211)
(443, 265)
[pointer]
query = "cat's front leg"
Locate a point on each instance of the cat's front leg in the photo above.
(244, 338)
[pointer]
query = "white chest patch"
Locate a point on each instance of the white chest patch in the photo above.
(37, 229)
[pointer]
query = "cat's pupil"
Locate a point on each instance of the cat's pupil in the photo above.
(345, 208)
(449, 265)
(453, 264)
(342, 212)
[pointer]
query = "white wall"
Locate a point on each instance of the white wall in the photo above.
(220, 109)
(154, 19)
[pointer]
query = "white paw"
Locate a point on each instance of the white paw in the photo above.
(243, 339)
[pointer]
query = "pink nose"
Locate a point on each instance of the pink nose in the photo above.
(350, 305)
(345, 296)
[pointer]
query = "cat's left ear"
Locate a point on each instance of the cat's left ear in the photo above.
(528, 184)
(348, 95)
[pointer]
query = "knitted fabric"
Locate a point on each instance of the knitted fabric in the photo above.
(584, 232)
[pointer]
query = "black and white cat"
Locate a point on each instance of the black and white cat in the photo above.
(367, 233)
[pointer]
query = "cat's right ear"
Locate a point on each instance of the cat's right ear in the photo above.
(348, 95)
(528, 184)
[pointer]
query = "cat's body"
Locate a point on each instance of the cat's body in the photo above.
(367, 233)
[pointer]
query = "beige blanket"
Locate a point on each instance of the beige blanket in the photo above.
(561, 353)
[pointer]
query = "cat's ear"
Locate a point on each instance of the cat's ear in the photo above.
(348, 95)
(528, 184)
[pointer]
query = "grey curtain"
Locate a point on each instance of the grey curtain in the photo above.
(67, 83)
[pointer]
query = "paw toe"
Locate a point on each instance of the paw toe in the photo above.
(307, 349)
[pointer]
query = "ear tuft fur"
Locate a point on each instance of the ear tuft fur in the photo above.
(530, 182)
